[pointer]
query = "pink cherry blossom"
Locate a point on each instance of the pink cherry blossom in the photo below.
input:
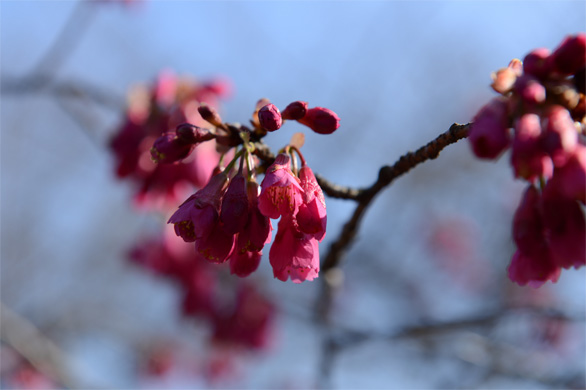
(533, 270)
(235, 205)
(243, 262)
(560, 137)
(565, 225)
(570, 179)
(311, 218)
(198, 215)
(489, 134)
(294, 254)
(257, 232)
(281, 193)
(528, 158)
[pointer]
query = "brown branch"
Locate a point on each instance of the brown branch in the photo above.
(387, 175)
(333, 190)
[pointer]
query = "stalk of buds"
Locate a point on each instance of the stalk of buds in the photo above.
(229, 218)
(542, 100)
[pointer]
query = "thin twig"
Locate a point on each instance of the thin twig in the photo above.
(35, 347)
(387, 175)
(72, 89)
(67, 39)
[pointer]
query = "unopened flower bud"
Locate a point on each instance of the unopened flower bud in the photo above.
(570, 56)
(169, 148)
(536, 64)
(504, 78)
(235, 205)
(321, 120)
(209, 114)
(489, 133)
(530, 90)
(269, 117)
(528, 158)
(295, 110)
(560, 136)
(191, 134)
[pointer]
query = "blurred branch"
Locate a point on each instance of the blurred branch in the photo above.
(337, 339)
(29, 342)
(66, 89)
(63, 45)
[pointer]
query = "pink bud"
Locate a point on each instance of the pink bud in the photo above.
(169, 148)
(530, 90)
(235, 205)
(536, 64)
(269, 117)
(257, 231)
(209, 114)
(528, 158)
(566, 227)
(295, 110)
(193, 134)
(321, 120)
(528, 231)
(570, 179)
(489, 133)
(560, 137)
(570, 56)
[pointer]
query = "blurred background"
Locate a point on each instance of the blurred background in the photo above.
(423, 298)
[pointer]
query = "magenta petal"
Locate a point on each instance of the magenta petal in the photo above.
(533, 270)
(566, 227)
(528, 231)
(243, 262)
(570, 179)
(235, 206)
(311, 217)
(217, 246)
(489, 132)
(281, 192)
(257, 232)
(294, 254)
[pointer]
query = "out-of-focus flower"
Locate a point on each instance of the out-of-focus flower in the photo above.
(153, 111)
(489, 134)
(249, 321)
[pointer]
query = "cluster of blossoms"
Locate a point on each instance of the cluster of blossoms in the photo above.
(152, 111)
(229, 219)
(543, 101)
(246, 322)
